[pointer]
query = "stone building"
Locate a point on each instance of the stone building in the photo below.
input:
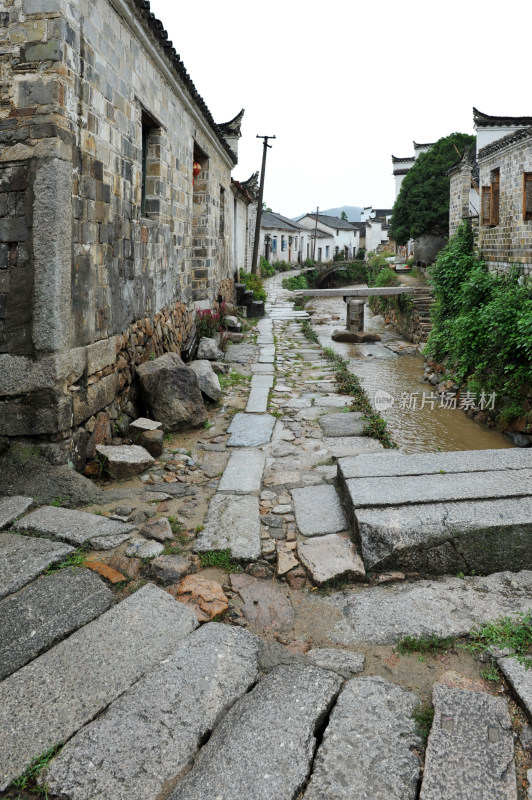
(106, 239)
(345, 235)
(244, 218)
(281, 239)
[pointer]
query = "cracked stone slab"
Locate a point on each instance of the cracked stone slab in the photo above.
(128, 754)
(519, 678)
(392, 464)
(243, 473)
(470, 751)
(318, 510)
(344, 424)
(342, 661)
(367, 747)
(351, 445)
(443, 538)
(50, 699)
(23, 558)
(232, 523)
(286, 707)
(444, 606)
(43, 613)
(11, 508)
(438, 488)
(250, 430)
(331, 557)
(67, 525)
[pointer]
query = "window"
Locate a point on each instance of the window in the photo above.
(274, 244)
(150, 183)
(490, 199)
(319, 253)
(283, 243)
(221, 231)
(327, 251)
(527, 195)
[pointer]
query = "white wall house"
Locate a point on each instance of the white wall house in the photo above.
(244, 215)
(346, 237)
(282, 239)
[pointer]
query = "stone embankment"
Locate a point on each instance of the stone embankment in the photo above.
(317, 552)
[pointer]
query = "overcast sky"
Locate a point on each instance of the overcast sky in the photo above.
(345, 84)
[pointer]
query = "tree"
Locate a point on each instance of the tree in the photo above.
(422, 205)
(343, 215)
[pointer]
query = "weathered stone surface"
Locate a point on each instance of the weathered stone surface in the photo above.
(67, 525)
(23, 558)
(446, 607)
(206, 598)
(139, 547)
(207, 379)
(286, 707)
(332, 400)
(158, 529)
(11, 508)
(362, 337)
(232, 522)
(341, 661)
(152, 441)
(243, 473)
(143, 424)
(286, 559)
(171, 392)
(124, 461)
(214, 464)
(208, 350)
(470, 750)
(318, 510)
(250, 430)
(47, 701)
(109, 542)
(349, 424)
(331, 557)
(443, 538)
(46, 611)
(341, 446)
(519, 678)
(242, 353)
(367, 748)
(134, 755)
(170, 569)
(258, 399)
(265, 604)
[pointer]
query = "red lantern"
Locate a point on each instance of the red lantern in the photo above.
(196, 169)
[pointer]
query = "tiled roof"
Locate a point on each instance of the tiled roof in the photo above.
(418, 146)
(485, 121)
(505, 141)
(168, 50)
(271, 221)
(332, 222)
(397, 160)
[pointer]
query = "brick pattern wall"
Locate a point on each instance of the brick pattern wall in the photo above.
(460, 183)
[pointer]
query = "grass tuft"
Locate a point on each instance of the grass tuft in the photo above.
(431, 643)
(220, 559)
(423, 716)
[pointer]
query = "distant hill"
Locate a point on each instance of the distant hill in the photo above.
(353, 212)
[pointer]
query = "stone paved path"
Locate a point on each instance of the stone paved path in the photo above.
(141, 701)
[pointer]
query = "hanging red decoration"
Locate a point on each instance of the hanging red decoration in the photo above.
(196, 169)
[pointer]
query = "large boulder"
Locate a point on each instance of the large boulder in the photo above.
(362, 337)
(208, 349)
(207, 379)
(172, 393)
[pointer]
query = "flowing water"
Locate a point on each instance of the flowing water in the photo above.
(415, 430)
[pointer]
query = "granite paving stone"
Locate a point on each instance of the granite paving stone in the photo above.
(368, 746)
(342, 661)
(340, 446)
(50, 699)
(133, 755)
(318, 510)
(47, 610)
(232, 522)
(23, 558)
(519, 677)
(344, 424)
(139, 547)
(330, 557)
(11, 508)
(265, 603)
(257, 400)
(470, 751)
(67, 525)
(250, 430)
(124, 461)
(243, 473)
(287, 707)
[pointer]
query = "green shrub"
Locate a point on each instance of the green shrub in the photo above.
(266, 269)
(209, 323)
(253, 282)
(282, 266)
(295, 283)
(309, 262)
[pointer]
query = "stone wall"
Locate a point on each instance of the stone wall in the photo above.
(105, 241)
(460, 183)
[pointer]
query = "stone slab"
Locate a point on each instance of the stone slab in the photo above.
(347, 424)
(446, 607)
(264, 746)
(331, 557)
(243, 473)
(67, 525)
(232, 522)
(443, 538)
(143, 424)
(139, 547)
(351, 445)
(43, 613)
(214, 464)
(384, 291)
(242, 353)
(368, 746)
(318, 510)
(11, 508)
(151, 733)
(250, 430)
(265, 604)
(332, 401)
(262, 369)
(342, 661)
(49, 700)
(470, 752)
(519, 678)
(23, 558)
(392, 464)
(257, 400)
(124, 461)
(437, 488)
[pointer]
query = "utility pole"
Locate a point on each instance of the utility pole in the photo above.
(255, 264)
(315, 233)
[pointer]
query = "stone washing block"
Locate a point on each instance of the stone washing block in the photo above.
(67, 525)
(49, 700)
(442, 538)
(23, 558)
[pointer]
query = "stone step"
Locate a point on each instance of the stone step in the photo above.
(331, 557)
(149, 735)
(23, 558)
(43, 613)
(51, 698)
(11, 508)
(470, 751)
(368, 746)
(74, 527)
(263, 748)
(447, 538)
(318, 510)
(446, 607)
